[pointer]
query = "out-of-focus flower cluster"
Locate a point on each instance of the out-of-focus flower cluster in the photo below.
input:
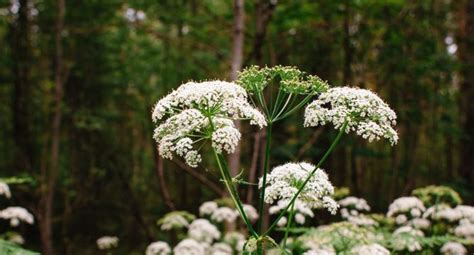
(107, 242)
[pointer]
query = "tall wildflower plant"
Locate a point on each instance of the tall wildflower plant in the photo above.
(197, 114)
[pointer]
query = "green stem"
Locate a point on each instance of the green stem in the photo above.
(297, 107)
(321, 161)
(290, 219)
(224, 168)
(268, 139)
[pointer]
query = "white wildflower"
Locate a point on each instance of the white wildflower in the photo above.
(203, 231)
(190, 247)
(251, 212)
(235, 239)
(405, 205)
(207, 208)
(222, 214)
(405, 238)
(175, 220)
(443, 212)
(158, 248)
(5, 190)
(453, 248)
(221, 249)
(409, 230)
(372, 249)
(465, 230)
(361, 220)
(299, 218)
(16, 214)
(415, 212)
(419, 223)
(284, 181)
(198, 111)
(282, 222)
(401, 219)
(107, 242)
(365, 113)
(359, 204)
(466, 211)
(320, 252)
(225, 139)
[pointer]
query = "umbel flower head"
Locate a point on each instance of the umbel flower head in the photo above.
(203, 231)
(196, 112)
(365, 113)
(158, 248)
(107, 242)
(292, 80)
(284, 181)
(191, 247)
(16, 214)
(176, 220)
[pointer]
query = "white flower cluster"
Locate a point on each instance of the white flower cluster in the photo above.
(466, 212)
(16, 214)
(301, 211)
(408, 211)
(225, 139)
(320, 252)
(203, 231)
(372, 249)
(107, 242)
(405, 238)
(158, 248)
(190, 247)
(365, 113)
(202, 111)
(221, 249)
(207, 208)
(174, 220)
(235, 239)
(356, 203)
(465, 229)
(453, 248)
(402, 205)
(224, 213)
(5, 190)
(443, 212)
(284, 181)
(251, 212)
(352, 209)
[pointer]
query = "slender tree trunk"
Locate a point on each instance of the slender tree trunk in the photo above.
(253, 166)
(52, 175)
(466, 55)
(21, 54)
(263, 14)
(161, 177)
(236, 65)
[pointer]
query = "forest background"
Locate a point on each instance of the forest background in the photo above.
(78, 80)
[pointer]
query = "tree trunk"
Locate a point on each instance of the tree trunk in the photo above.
(236, 65)
(161, 177)
(466, 55)
(21, 54)
(51, 176)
